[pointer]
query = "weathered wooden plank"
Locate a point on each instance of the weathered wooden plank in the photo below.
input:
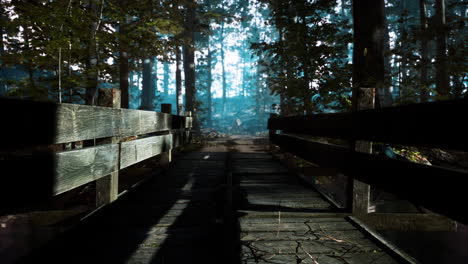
(409, 222)
(107, 187)
(360, 192)
(62, 123)
(137, 150)
(266, 214)
(399, 177)
(433, 124)
(295, 226)
(78, 122)
(77, 167)
(250, 256)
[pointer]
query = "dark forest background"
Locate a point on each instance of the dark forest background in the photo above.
(230, 62)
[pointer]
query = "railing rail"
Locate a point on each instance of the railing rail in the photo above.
(32, 171)
(436, 124)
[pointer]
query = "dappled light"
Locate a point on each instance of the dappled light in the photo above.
(280, 131)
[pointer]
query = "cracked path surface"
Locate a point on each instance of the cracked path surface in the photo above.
(279, 217)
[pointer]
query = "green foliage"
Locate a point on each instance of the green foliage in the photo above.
(308, 57)
(40, 35)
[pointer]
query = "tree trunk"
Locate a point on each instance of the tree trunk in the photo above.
(442, 80)
(148, 94)
(306, 68)
(178, 78)
(458, 52)
(166, 79)
(223, 67)
(368, 53)
(3, 20)
(92, 72)
(424, 86)
(343, 9)
(123, 67)
(209, 114)
(189, 60)
(387, 96)
(403, 44)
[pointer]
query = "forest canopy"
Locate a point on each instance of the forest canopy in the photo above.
(230, 62)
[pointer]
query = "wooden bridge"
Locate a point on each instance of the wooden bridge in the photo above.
(237, 199)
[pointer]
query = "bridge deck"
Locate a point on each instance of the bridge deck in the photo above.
(230, 196)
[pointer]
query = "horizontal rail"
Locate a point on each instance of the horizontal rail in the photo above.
(39, 177)
(434, 124)
(34, 123)
(416, 182)
(33, 172)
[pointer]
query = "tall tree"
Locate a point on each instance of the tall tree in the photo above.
(92, 63)
(209, 95)
(124, 69)
(223, 68)
(189, 57)
(424, 86)
(148, 93)
(368, 52)
(178, 80)
(442, 78)
(3, 21)
(166, 78)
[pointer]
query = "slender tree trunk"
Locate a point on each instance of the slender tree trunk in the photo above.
(3, 19)
(148, 94)
(178, 78)
(403, 48)
(243, 54)
(123, 66)
(368, 53)
(306, 68)
(92, 61)
(123, 60)
(69, 82)
(343, 9)
(442, 79)
(458, 80)
(387, 96)
(424, 86)
(166, 78)
(29, 64)
(209, 114)
(189, 61)
(223, 68)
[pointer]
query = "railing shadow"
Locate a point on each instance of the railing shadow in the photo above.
(105, 236)
(176, 217)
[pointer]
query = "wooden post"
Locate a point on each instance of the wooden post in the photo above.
(271, 132)
(368, 74)
(107, 188)
(188, 136)
(166, 108)
(361, 191)
(166, 157)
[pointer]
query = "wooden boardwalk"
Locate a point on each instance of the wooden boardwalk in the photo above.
(282, 220)
(230, 202)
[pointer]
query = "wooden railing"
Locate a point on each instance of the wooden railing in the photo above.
(434, 125)
(94, 143)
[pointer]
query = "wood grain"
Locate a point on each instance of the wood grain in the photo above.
(137, 150)
(63, 123)
(432, 124)
(77, 167)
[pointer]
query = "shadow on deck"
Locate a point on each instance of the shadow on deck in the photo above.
(229, 203)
